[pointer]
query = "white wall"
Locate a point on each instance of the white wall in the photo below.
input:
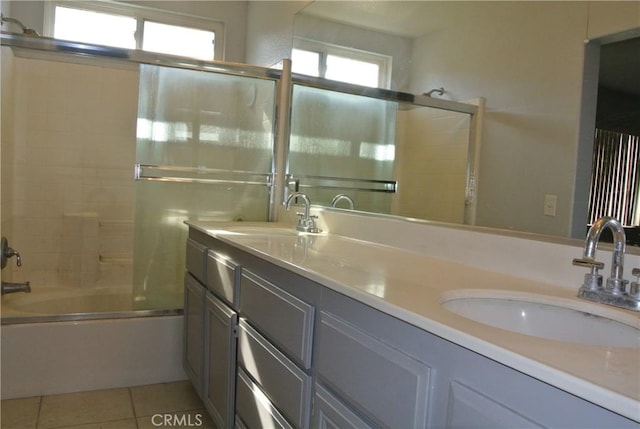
(526, 58)
(270, 31)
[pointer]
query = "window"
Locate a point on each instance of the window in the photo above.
(615, 178)
(341, 64)
(134, 27)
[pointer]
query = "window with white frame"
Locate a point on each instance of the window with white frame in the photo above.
(134, 27)
(341, 63)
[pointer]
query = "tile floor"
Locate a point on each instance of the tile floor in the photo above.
(174, 405)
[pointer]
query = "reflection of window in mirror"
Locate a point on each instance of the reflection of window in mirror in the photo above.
(341, 64)
(615, 174)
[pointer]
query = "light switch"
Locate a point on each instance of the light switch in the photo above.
(550, 203)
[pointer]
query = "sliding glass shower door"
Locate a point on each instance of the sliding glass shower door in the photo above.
(204, 152)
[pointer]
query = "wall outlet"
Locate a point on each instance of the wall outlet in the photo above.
(550, 203)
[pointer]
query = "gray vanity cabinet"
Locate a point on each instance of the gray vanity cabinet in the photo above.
(269, 348)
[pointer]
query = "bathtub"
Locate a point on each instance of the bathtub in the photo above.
(69, 340)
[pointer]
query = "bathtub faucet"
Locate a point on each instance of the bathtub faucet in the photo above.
(8, 287)
(7, 252)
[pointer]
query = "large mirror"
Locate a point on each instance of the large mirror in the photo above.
(528, 60)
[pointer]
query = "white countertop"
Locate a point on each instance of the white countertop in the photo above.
(410, 286)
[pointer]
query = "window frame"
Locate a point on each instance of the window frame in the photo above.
(326, 49)
(141, 14)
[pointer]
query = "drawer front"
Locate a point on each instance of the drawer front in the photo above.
(330, 413)
(288, 386)
(379, 381)
(469, 408)
(223, 278)
(253, 408)
(196, 256)
(286, 320)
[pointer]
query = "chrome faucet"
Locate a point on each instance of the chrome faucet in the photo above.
(614, 293)
(339, 197)
(306, 222)
(8, 287)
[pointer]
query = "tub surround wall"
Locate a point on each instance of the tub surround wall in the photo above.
(67, 167)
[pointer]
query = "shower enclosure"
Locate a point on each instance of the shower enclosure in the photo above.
(103, 160)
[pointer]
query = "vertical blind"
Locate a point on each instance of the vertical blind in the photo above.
(615, 177)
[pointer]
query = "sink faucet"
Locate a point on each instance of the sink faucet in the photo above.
(306, 223)
(8, 287)
(339, 197)
(614, 293)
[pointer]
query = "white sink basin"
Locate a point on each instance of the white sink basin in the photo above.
(547, 317)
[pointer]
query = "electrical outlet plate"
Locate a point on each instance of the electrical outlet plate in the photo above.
(550, 203)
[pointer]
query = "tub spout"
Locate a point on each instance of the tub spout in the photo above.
(8, 287)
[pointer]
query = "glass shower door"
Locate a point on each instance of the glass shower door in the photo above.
(205, 144)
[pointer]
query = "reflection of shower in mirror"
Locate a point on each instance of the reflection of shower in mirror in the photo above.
(25, 30)
(438, 91)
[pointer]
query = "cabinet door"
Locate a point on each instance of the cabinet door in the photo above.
(379, 381)
(220, 361)
(192, 359)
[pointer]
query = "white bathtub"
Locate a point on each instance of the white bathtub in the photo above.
(103, 350)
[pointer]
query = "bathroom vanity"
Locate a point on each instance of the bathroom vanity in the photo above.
(288, 329)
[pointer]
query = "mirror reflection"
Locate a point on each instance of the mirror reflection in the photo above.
(528, 60)
(382, 156)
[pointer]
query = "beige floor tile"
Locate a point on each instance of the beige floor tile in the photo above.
(164, 398)
(116, 424)
(85, 407)
(178, 419)
(20, 413)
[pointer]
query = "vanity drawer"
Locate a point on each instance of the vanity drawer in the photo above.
(284, 319)
(330, 413)
(223, 277)
(253, 408)
(287, 385)
(196, 264)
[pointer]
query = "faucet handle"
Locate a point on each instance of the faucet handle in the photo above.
(588, 263)
(634, 289)
(592, 280)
